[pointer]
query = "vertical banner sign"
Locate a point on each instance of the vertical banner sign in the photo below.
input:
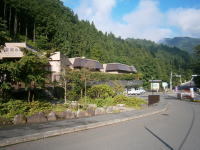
(192, 92)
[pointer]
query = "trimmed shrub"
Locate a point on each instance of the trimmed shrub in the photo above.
(100, 102)
(60, 107)
(38, 106)
(129, 101)
(14, 107)
(101, 91)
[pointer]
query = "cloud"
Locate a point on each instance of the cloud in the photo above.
(95, 10)
(146, 21)
(186, 19)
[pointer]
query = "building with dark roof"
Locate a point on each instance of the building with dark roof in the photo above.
(117, 68)
(57, 61)
(80, 62)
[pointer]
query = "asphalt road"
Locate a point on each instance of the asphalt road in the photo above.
(176, 129)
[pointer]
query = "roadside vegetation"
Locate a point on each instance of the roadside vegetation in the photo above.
(101, 95)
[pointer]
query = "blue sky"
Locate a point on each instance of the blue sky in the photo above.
(145, 19)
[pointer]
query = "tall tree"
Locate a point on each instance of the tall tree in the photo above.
(4, 34)
(32, 72)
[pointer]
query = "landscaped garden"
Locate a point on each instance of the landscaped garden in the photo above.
(100, 99)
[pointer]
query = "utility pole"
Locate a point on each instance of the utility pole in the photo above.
(170, 81)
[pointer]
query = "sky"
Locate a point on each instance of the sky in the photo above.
(142, 19)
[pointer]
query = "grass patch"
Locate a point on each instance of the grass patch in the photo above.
(119, 99)
(60, 107)
(198, 101)
(134, 102)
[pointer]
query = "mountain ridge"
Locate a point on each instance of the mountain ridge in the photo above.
(187, 44)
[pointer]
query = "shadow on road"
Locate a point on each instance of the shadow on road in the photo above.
(161, 140)
(185, 138)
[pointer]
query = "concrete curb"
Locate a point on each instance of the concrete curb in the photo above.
(37, 136)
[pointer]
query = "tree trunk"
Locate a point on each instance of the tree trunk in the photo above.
(29, 95)
(65, 91)
(4, 11)
(15, 25)
(34, 33)
(3, 94)
(10, 14)
(33, 91)
(81, 93)
(85, 90)
(26, 34)
(33, 97)
(65, 86)
(19, 27)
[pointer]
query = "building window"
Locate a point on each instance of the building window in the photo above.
(16, 49)
(6, 49)
(11, 49)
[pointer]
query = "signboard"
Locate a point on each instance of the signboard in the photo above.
(164, 85)
(155, 86)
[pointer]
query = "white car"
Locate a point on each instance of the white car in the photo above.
(142, 91)
(134, 91)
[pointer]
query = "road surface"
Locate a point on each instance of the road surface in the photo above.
(176, 129)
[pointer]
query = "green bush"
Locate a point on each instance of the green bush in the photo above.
(38, 106)
(14, 107)
(109, 101)
(120, 99)
(73, 95)
(129, 101)
(60, 107)
(104, 102)
(100, 102)
(101, 91)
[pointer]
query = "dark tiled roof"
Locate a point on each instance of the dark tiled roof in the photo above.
(133, 69)
(113, 83)
(87, 63)
(120, 67)
(65, 60)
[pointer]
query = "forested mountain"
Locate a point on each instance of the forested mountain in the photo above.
(49, 25)
(187, 44)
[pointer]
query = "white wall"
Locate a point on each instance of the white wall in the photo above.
(55, 56)
(15, 45)
(55, 66)
(104, 68)
(71, 60)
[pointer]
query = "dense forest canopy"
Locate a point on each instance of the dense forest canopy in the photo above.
(49, 25)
